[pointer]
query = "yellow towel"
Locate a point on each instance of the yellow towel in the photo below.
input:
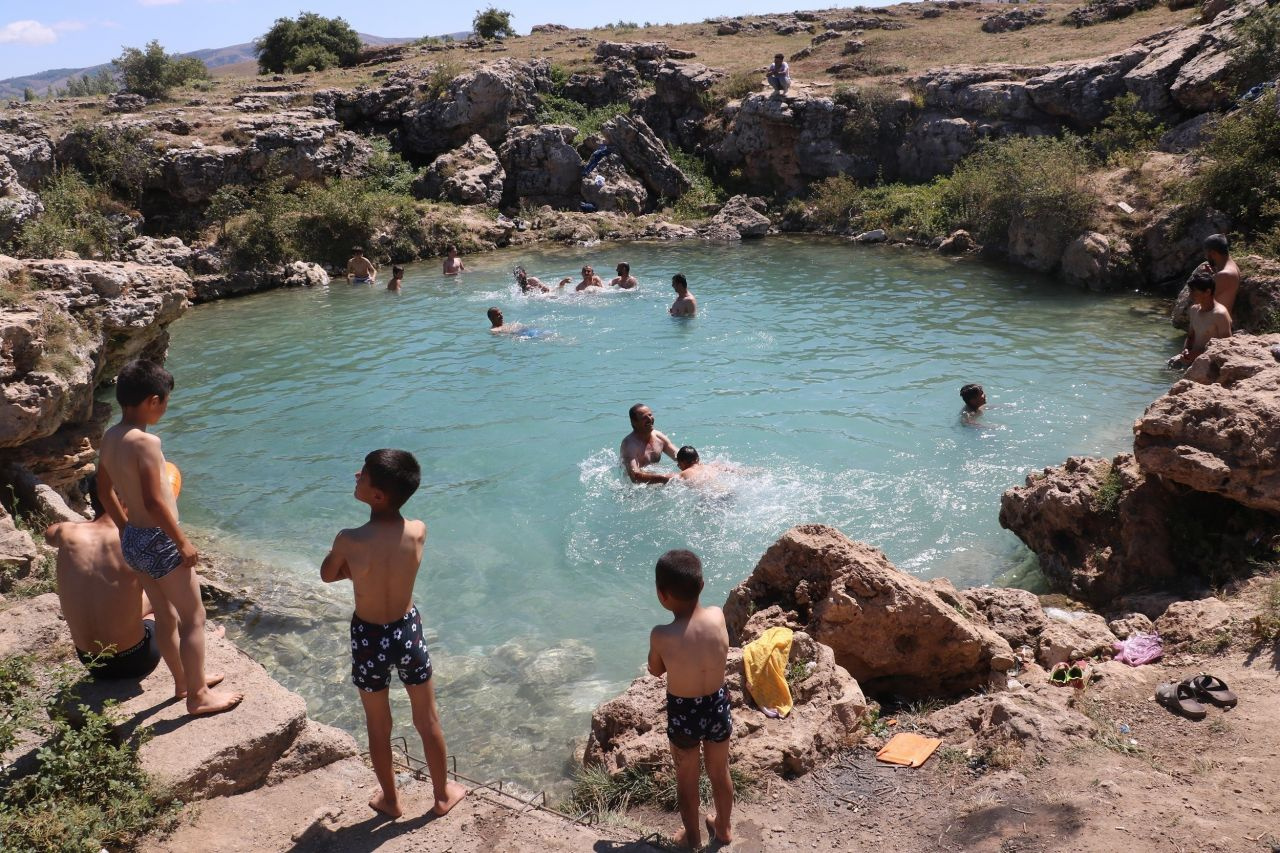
(764, 661)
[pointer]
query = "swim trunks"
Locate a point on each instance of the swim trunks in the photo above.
(375, 648)
(132, 663)
(361, 279)
(149, 550)
(691, 721)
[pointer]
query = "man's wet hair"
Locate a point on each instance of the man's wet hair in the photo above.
(970, 392)
(140, 380)
(1202, 279)
(635, 410)
(395, 473)
(688, 453)
(679, 279)
(679, 574)
(624, 267)
(1217, 243)
(494, 310)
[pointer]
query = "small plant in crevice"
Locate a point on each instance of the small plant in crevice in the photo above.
(1106, 499)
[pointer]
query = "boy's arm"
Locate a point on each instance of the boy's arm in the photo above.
(656, 666)
(335, 567)
(107, 496)
(154, 483)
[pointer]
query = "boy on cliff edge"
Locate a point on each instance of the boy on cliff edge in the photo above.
(692, 651)
(381, 560)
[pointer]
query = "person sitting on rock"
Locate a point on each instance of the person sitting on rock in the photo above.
(452, 263)
(1226, 278)
(590, 281)
(625, 279)
(779, 74)
(107, 612)
(692, 651)
(360, 270)
(685, 305)
(1208, 319)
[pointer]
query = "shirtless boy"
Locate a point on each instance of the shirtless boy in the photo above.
(625, 279)
(1208, 318)
(381, 560)
(452, 263)
(692, 468)
(1226, 275)
(589, 281)
(497, 326)
(360, 270)
(692, 651)
(133, 486)
(397, 278)
(644, 446)
(102, 600)
(685, 305)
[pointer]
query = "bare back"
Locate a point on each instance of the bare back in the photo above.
(132, 457)
(684, 306)
(101, 597)
(382, 559)
(693, 652)
(1207, 325)
(1226, 284)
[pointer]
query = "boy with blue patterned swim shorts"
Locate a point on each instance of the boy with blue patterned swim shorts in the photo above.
(692, 651)
(381, 560)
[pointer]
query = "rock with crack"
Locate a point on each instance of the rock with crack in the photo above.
(542, 165)
(471, 174)
(645, 155)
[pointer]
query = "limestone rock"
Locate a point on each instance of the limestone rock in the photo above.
(610, 187)
(34, 626)
(305, 274)
(1127, 624)
(1071, 635)
(1079, 92)
(784, 141)
(1172, 243)
(680, 101)
(25, 143)
(617, 82)
(957, 243)
(1188, 622)
(891, 631)
(471, 174)
(1218, 430)
(1014, 19)
(125, 102)
(542, 165)
(739, 219)
(18, 204)
(1014, 614)
(18, 555)
(934, 145)
(630, 730)
(1096, 261)
(1036, 243)
(316, 746)
(169, 251)
(1025, 718)
(1152, 78)
(642, 151)
(1101, 11)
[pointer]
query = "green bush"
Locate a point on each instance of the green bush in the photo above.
(152, 72)
(117, 157)
(703, 192)
(1126, 130)
(492, 23)
(555, 109)
(76, 218)
(735, 86)
(84, 86)
(297, 44)
(1241, 171)
(387, 171)
(1257, 45)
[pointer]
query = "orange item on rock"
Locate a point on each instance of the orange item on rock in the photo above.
(175, 477)
(908, 749)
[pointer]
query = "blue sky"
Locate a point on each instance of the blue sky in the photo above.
(35, 36)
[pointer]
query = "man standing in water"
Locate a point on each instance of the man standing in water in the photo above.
(625, 279)
(685, 305)
(360, 270)
(644, 446)
(1226, 275)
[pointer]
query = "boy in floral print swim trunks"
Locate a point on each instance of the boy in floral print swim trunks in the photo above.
(691, 651)
(381, 560)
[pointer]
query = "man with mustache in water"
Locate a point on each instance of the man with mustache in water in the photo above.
(644, 446)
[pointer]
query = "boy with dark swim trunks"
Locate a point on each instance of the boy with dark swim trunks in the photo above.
(133, 486)
(692, 651)
(381, 560)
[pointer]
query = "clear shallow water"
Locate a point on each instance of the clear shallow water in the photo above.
(827, 373)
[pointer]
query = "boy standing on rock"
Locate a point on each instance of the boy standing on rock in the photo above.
(133, 486)
(381, 560)
(692, 651)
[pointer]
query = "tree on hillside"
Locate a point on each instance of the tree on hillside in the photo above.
(309, 42)
(29, 94)
(152, 72)
(492, 23)
(102, 83)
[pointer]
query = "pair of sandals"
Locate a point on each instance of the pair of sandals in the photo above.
(1188, 696)
(1069, 674)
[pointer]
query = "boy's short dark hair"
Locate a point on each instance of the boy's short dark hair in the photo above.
(688, 453)
(395, 473)
(970, 392)
(679, 574)
(357, 250)
(397, 271)
(1202, 279)
(1217, 243)
(141, 379)
(679, 279)
(624, 267)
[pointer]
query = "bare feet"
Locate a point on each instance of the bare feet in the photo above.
(210, 702)
(209, 681)
(681, 839)
(718, 833)
(453, 792)
(389, 806)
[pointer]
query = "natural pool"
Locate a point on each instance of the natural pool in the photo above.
(829, 373)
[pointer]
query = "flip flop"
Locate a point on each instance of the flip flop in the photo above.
(1058, 675)
(1076, 674)
(1213, 689)
(1180, 699)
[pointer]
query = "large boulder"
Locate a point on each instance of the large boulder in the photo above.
(891, 631)
(618, 82)
(610, 187)
(542, 165)
(18, 204)
(1218, 429)
(784, 142)
(934, 145)
(1097, 262)
(18, 555)
(1173, 242)
(1152, 78)
(1014, 614)
(680, 101)
(1037, 243)
(1079, 92)
(471, 174)
(1024, 719)
(630, 730)
(25, 143)
(739, 219)
(1186, 623)
(631, 139)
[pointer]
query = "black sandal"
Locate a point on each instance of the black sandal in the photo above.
(1210, 688)
(1180, 698)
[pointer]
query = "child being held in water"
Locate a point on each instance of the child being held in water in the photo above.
(692, 651)
(381, 560)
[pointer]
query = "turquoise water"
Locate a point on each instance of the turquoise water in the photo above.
(828, 374)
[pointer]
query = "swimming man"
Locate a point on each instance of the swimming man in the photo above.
(590, 281)
(498, 327)
(360, 270)
(625, 279)
(397, 278)
(685, 305)
(452, 263)
(644, 446)
(528, 282)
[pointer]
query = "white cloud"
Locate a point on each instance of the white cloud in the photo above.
(159, 2)
(27, 32)
(69, 26)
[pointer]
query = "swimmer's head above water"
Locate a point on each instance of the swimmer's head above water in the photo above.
(974, 397)
(687, 457)
(495, 316)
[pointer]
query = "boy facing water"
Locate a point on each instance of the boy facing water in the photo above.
(133, 486)
(381, 560)
(692, 651)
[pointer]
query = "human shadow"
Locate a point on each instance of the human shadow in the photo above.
(648, 844)
(363, 837)
(1260, 648)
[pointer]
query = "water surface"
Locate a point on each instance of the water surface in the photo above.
(828, 374)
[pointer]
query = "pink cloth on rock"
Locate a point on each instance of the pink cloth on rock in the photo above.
(1139, 649)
